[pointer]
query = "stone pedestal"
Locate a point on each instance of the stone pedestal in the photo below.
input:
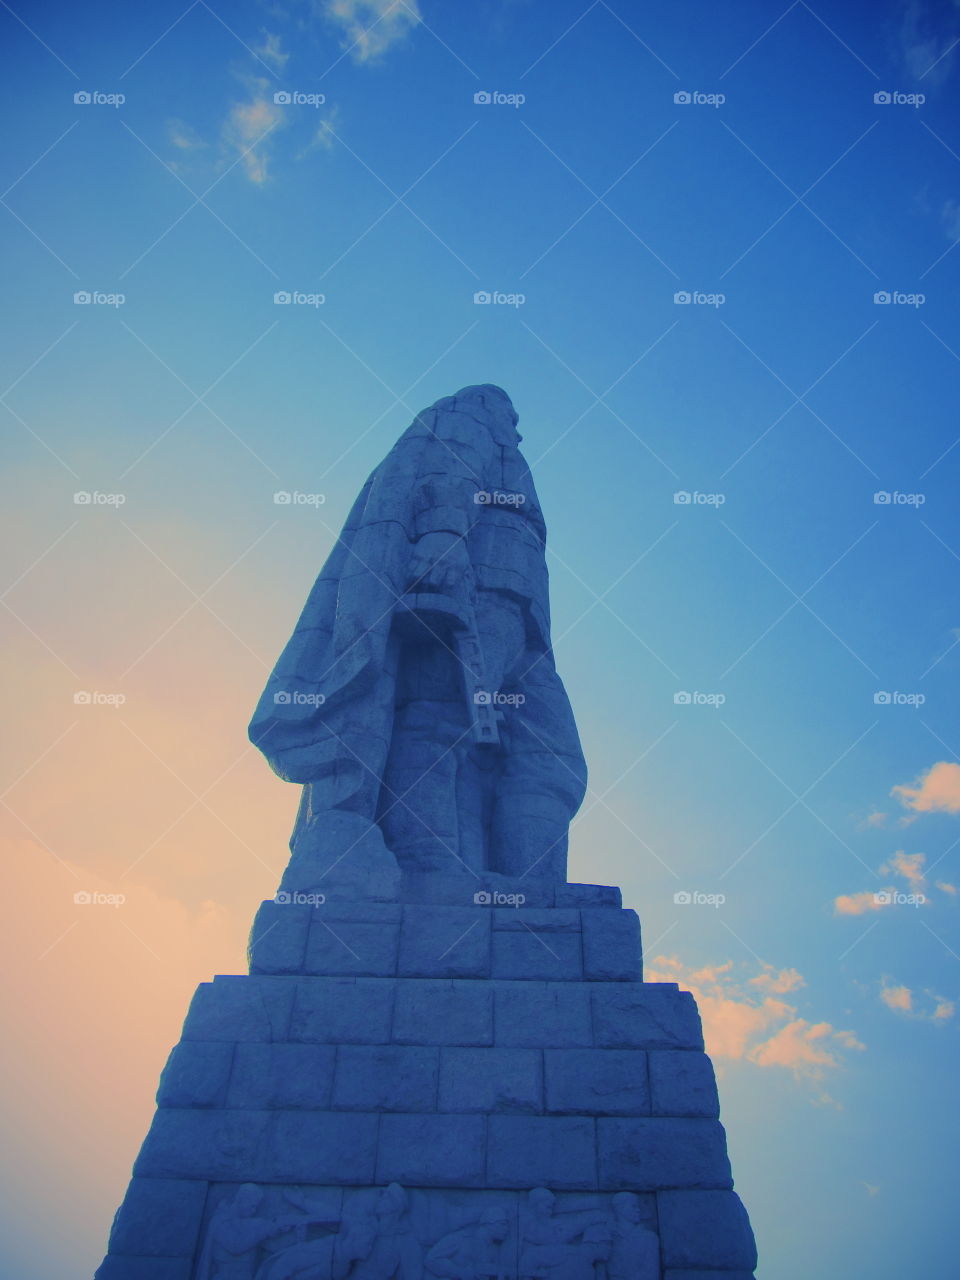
(472, 1054)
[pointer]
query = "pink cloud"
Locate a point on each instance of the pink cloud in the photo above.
(936, 791)
(742, 1021)
(899, 998)
(855, 904)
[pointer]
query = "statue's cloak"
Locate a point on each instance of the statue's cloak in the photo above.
(324, 702)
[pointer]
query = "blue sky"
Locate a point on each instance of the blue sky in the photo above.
(782, 198)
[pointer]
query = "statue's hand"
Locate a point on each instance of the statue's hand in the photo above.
(440, 563)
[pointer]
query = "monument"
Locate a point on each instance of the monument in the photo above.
(444, 1060)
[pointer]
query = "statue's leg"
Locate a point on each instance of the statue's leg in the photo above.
(543, 780)
(418, 801)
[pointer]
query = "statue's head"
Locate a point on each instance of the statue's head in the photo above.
(541, 1202)
(247, 1200)
(627, 1206)
(493, 405)
(392, 1199)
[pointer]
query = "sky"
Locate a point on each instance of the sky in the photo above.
(244, 246)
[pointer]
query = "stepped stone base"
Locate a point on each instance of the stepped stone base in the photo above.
(466, 1058)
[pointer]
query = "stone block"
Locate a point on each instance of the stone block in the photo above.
(537, 1015)
(278, 939)
(159, 1216)
(647, 1154)
(386, 1078)
(596, 1082)
(342, 1010)
(211, 1145)
(445, 942)
(588, 895)
(443, 1011)
(505, 1080)
(700, 1230)
(682, 1083)
(281, 1075)
(359, 912)
(432, 1150)
(240, 1008)
(526, 953)
(645, 1015)
(542, 1151)
(320, 1147)
(196, 1074)
(611, 946)
(122, 1267)
(526, 919)
(346, 947)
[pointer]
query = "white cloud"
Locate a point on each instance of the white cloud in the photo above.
(249, 127)
(271, 52)
(371, 27)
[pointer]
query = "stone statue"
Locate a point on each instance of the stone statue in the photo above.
(473, 1252)
(635, 1250)
(381, 1245)
(417, 700)
(550, 1244)
(236, 1232)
